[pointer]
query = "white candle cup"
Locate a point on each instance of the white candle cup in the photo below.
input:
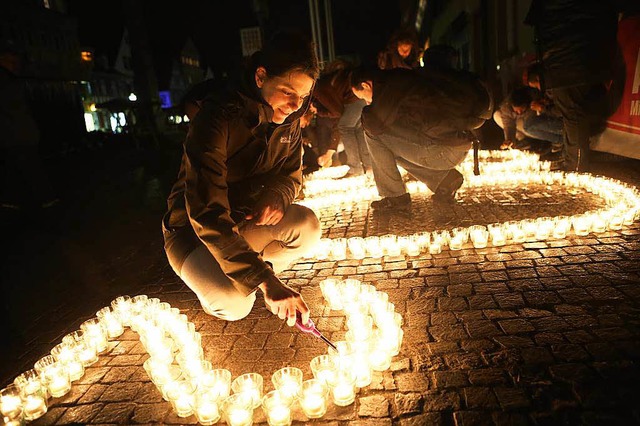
(516, 233)
(374, 249)
(237, 410)
(161, 373)
(288, 381)
(207, 410)
(95, 333)
(182, 398)
(66, 353)
(123, 308)
(479, 236)
(217, 381)
(277, 408)
(343, 388)
(313, 398)
(139, 303)
(324, 367)
(251, 386)
(357, 247)
(561, 227)
(331, 293)
(581, 225)
(57, 380)
(10, 402)
(350, 290)
(110, 321)
(29, 382)
(34, 406)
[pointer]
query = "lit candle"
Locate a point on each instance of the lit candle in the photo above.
(343, 393)
(250, 385)
(279, 415)
(207, 412)
(10, 402)
(58, 381)
(35, 407)
(239, 417)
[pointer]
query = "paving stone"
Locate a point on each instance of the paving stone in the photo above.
(373, 406)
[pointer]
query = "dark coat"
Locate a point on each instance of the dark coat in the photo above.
(426, 105)
(232, 154)
(576, 40)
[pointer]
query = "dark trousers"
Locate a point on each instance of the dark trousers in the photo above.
(584, 111)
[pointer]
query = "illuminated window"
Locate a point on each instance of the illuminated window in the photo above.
(88, 122)
(86, 56)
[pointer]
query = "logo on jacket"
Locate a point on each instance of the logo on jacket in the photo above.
(285, 139)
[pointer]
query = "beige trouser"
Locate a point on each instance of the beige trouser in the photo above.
(280, 244)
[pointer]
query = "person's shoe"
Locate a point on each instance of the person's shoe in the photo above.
(446, 191)
(401, 202)
(552, 156)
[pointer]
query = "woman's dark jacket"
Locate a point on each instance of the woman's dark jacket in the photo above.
(232, 154)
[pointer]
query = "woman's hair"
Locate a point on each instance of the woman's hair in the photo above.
(521, 96)
(288, 51)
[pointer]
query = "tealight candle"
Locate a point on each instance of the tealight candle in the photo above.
(207, 411)
(343, 389)
(29, 382)
(277, 408)
(238, 410)
(287, 381)
(324, 367)
(10, 402)
(217, 381)
(35, 406)
(250, 385)
(313, 398)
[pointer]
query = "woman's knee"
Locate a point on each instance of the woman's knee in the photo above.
(228, 307)
(306, 221)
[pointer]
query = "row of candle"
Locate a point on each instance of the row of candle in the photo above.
(190, 383)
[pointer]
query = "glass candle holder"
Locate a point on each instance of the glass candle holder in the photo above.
(139, 303)
(237, 410)
(331, 293)
(324, 367)
(122, 307)
(207, 410)
(288, 381)
(217, 381)
(110, 321)
(182, 398)
(277, 408)
(29, 382)
(343, 388)
(10, 402)
(161, 373)
(251, 386)
(479, 236)
(516, 233)
(357, 247)
(34, 406)
(57, 380)
(66, 354)
(314, 398)
(373, 246)
(95, 333)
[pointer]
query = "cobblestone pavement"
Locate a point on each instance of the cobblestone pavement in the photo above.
(535, 333)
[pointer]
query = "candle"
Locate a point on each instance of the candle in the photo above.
(207, 413)
(313, 398)
(35, 407)
(218, 382)
(288, 381)
(276, 408)
(10, 402)
(237, 410)
(343, 393)
(250, 385)
(58, 382)
(207, 410)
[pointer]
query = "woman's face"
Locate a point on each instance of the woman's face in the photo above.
(285, 94)
(404, 49)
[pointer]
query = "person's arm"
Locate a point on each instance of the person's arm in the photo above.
(508, 121)
(206, 199)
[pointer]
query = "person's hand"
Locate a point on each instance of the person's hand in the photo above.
(284, 301)
(269, 209)
(507, 144)
(326, 159)
(538, 107)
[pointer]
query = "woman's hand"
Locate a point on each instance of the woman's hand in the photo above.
(269, 209)
(284, 301)
(325, 160)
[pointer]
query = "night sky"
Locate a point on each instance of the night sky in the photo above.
(360, 26)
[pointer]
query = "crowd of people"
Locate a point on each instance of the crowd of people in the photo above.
(232, 222)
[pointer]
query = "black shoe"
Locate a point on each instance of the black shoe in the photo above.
(401, 202)
(446, 191)
(552, 156)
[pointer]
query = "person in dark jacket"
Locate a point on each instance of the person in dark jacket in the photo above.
(332, 97)
(576, 46)
(422, 122)
(231, 223)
